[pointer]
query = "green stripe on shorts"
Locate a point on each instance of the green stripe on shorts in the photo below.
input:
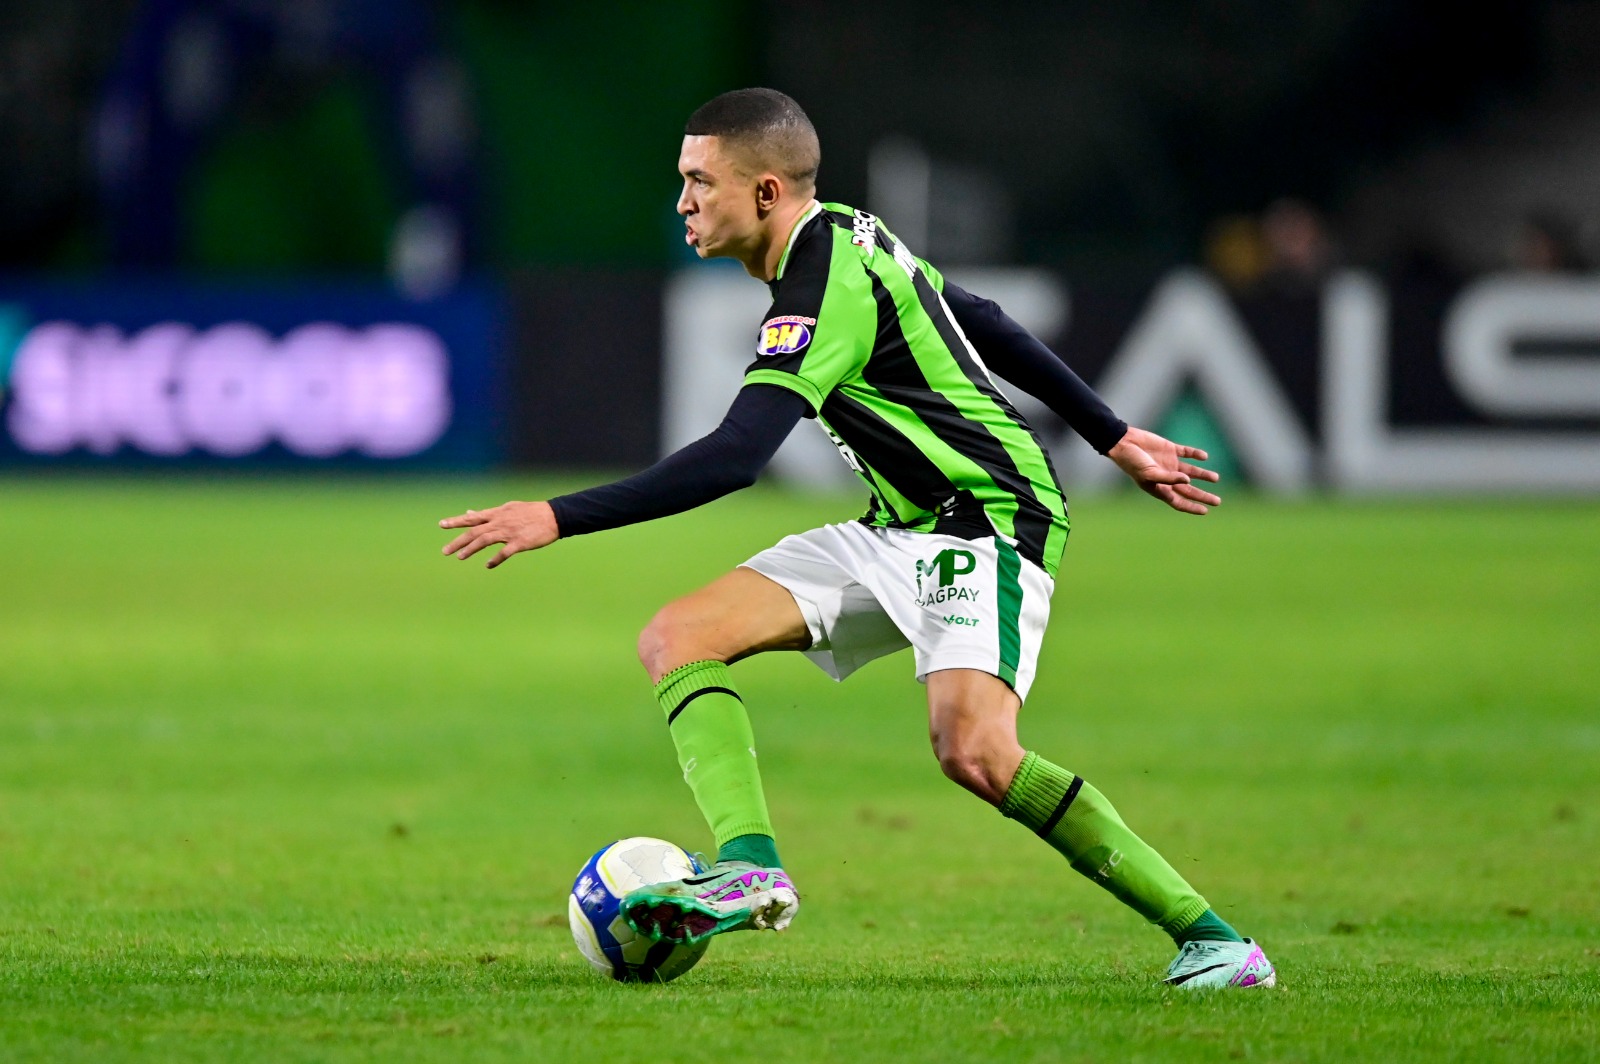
(1008, 570)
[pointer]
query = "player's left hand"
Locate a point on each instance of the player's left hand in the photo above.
(1157, 465)
(519, 525)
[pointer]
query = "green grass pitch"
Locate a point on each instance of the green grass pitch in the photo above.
(279, 783)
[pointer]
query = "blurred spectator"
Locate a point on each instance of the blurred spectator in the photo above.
(1420, 257)
(1235, 252)
(189, 66)
(52, 55)
(1548, 242)
(1287, 250)
(1298, 250)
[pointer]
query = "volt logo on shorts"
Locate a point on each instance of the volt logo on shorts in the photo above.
(948, 564)
(784, 335)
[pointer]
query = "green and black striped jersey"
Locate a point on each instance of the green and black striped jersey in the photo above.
(858, 327)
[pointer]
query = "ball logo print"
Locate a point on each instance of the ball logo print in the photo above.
(784, 335)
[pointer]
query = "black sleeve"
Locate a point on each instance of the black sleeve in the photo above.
(728, 459)
(1019, 357)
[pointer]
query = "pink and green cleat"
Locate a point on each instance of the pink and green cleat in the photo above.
(732, 896)
(1216, 965)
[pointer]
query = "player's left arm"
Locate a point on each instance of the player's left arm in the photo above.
(1160, 467)
(727, 459)
(1023, 359)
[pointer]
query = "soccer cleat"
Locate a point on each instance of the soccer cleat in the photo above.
(1213, 965)
(732, 896)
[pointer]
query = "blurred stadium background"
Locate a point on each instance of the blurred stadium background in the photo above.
(1344, 242)
(282, 282)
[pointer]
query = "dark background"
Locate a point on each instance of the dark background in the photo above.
(531, 147)
(1115, 134)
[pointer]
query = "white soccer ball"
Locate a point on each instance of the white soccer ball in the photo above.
(595, 911)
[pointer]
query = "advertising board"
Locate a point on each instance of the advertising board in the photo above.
(1359, 384)
(170, 375)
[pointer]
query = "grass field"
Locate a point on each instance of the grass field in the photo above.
(279, 783)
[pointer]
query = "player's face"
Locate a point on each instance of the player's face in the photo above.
(718, 202)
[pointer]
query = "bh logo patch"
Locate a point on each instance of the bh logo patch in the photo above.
(784, 335)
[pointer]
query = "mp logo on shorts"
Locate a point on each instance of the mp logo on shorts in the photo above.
(784, 335)
(948, 564)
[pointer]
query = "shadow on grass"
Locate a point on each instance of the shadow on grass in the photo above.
(420, 973)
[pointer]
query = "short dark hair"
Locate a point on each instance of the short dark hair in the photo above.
(769, 127)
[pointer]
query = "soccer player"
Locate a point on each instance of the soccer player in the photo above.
(955, 557)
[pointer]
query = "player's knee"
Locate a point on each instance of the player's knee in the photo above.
(975, 757)
(668, 641)
(961, 756)
(655, 641)
(962, 768)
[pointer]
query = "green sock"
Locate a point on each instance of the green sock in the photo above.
(1075, 819)
(1209, 928)
(758, 850)
(716, 749)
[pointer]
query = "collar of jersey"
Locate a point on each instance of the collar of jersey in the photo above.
(816, 209)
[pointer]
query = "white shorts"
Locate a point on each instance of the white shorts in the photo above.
(960, 604)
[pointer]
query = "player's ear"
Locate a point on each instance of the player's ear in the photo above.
(768, 189)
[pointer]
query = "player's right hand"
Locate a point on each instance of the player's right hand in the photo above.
(519, 526)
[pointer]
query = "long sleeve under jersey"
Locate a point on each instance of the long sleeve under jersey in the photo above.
(733, 455)
(727, 459)
(1019, 357)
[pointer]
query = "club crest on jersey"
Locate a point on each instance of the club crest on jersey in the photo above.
(784, 335)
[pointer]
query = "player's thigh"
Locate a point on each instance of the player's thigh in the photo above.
(972, 720)
(969, 710)
(736, 615)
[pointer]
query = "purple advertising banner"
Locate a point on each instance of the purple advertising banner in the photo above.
(163, 374)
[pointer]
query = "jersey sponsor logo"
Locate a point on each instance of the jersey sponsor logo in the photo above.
(844, 450)
(865, 231)
(907, 261)
(784, 335)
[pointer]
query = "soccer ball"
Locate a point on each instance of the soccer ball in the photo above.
(595, 911)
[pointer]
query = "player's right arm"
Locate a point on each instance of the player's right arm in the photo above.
(729, 458)
(1157, 465)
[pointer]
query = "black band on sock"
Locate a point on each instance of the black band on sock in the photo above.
(1061, 810)
(703, 691)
